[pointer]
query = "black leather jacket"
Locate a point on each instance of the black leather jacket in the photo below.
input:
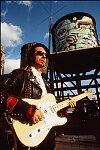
(21, 83)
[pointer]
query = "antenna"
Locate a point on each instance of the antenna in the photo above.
(50, 18)
(50, 27)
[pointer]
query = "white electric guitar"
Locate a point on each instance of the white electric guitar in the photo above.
(33, 135)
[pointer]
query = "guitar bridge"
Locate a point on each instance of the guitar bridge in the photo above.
(36, 132)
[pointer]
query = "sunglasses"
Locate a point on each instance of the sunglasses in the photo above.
(40, 53)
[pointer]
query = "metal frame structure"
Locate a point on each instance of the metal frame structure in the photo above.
(73, 79)
(65, 84)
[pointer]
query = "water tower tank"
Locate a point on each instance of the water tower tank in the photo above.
(24, 50)
(73, 32)
(75, 44)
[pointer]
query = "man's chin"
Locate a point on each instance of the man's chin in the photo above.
(42, 65)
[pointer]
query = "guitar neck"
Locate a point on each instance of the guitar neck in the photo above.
(65, 103)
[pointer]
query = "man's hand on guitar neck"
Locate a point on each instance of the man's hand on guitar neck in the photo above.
(72, 102)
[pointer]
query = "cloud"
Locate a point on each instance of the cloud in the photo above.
(10, 52)
(46, 35)
(25, 3)
(10, 35)
(3, 13)
(11, 64)
(8, 2)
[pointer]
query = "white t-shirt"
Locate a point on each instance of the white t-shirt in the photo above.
(40, 80)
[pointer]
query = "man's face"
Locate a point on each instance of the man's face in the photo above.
(40, 57)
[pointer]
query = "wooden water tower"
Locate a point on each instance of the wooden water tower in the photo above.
(75, 61)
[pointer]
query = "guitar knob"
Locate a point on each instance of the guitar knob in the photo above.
(30, 135)
(39, 130)
(45, 111)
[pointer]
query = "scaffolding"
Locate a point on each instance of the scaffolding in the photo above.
(74, 72)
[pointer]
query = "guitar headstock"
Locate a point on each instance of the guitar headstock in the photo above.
(88, 93)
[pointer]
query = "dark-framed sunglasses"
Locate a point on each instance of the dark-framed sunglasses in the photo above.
(40, 53)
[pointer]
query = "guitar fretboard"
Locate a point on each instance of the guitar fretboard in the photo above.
(65, 103)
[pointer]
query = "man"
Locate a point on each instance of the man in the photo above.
(29, 83)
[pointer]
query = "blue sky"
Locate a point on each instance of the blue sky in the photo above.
(27, 21)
